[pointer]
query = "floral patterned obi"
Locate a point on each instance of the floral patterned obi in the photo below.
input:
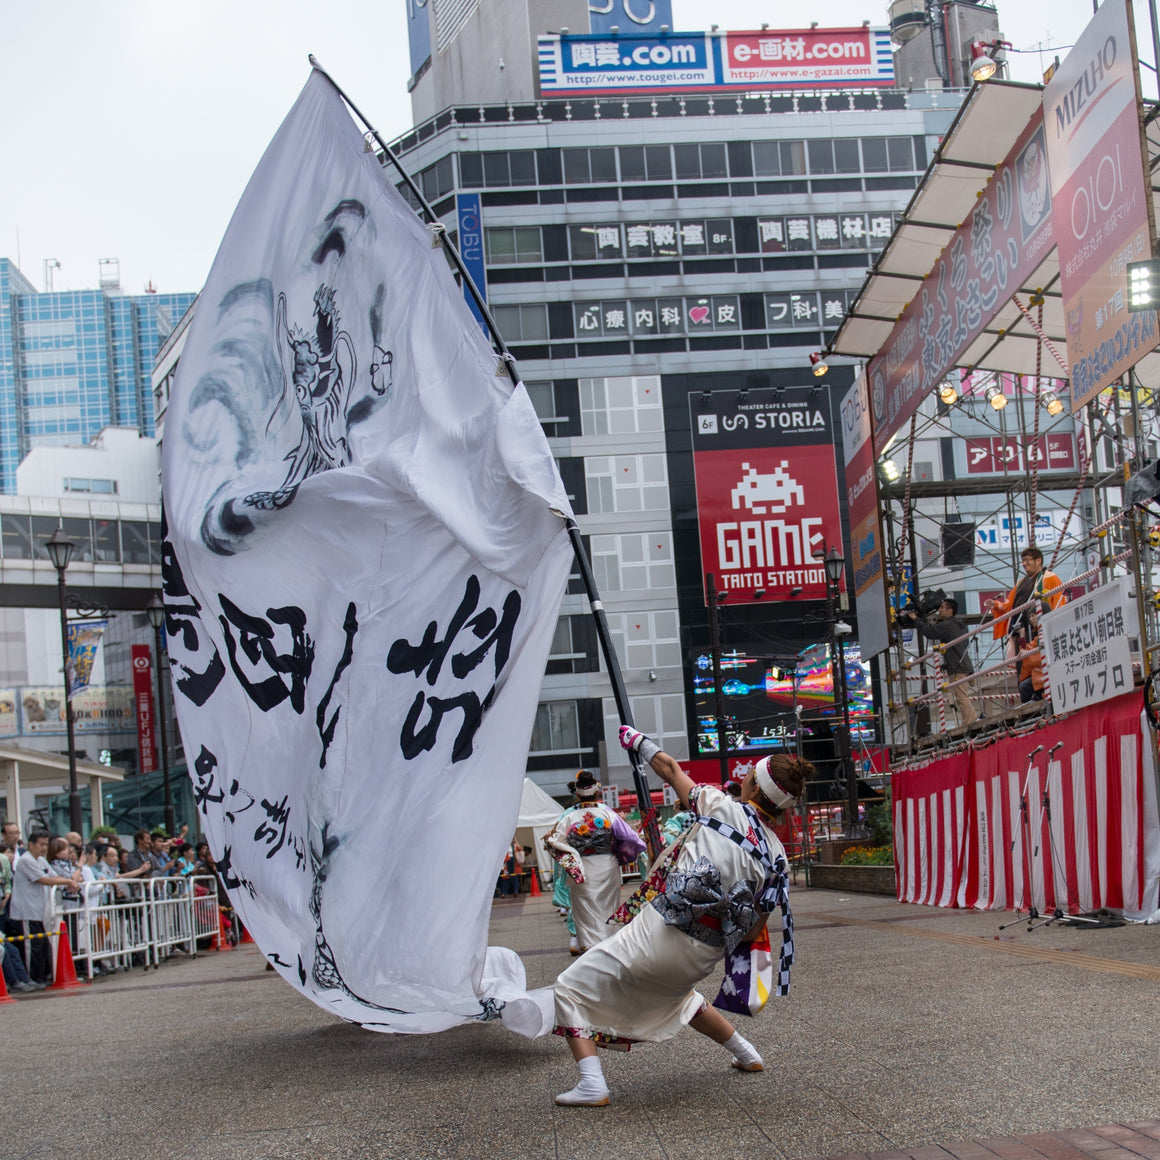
(589, 833)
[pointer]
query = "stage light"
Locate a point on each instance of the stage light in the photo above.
(983, 65)
(818, 364)
(994, 395)
(1052, 403)
(1144, 285)
(948, 392)
(888, 470)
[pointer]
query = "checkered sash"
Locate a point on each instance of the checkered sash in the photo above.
(774, 890)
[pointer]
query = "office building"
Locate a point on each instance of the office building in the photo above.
(75, 362)
(652, 259)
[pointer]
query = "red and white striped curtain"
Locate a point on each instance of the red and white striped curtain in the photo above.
(960, 838)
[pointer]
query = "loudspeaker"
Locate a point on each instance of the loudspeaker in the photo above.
(958, 543)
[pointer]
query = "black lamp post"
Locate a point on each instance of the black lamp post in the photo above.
(835, 567)
(60, 549)
(155, 610)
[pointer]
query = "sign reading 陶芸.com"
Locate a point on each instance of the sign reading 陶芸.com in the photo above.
(767, 492)
(818, 57)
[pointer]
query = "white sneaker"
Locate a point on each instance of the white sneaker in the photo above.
(584, 1097)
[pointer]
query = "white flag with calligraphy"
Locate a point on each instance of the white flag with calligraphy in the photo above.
(363, 564)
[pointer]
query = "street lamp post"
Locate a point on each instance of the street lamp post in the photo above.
(835, 567)
(155, 610)
(60, 550)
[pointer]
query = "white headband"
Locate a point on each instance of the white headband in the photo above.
(778, 796)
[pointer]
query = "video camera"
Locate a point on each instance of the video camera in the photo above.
(926, 603)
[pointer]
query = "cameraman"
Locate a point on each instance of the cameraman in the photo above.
(946, 625)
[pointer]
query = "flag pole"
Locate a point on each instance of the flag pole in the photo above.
(619, 692)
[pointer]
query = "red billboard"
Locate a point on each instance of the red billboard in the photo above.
(809, 56)
(994, 454)
(142, 661)
(767, 493)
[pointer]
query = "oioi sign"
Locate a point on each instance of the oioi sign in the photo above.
(1103, 209)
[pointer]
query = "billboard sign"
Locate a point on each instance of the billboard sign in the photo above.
(9, 721)
(1087, 648)
(808, 57)
(1007, 235)
(714, 62)
(142, 661)
(629, 15)
(865, 529)
(767, 493)
(96, 709)
(600, 64)
(997, 454)
(1097, 168)
(418, 34)
(469, 212)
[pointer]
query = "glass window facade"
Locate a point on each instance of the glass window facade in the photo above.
(73, 362)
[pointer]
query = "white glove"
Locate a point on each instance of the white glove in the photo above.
(633, 740)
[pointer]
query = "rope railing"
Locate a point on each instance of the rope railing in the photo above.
(940, 649)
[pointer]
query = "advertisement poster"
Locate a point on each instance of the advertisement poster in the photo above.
(143, 705)
(9, 720)
(808, 57)
(83, 641)
(767, 493)
(97, 709)
(470, 217)
(865, 530)
(1097, 168)
(678, 61)
(1006, 236)
(598, 64)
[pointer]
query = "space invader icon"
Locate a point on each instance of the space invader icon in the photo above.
(775, 492)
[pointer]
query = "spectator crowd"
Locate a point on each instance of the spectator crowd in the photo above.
(29, 871)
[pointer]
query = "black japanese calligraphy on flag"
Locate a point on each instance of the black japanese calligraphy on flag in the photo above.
(363, 562)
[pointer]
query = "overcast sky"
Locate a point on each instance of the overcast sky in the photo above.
(132, 126)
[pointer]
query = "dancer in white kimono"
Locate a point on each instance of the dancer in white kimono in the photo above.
(591, 842)
(726, 875)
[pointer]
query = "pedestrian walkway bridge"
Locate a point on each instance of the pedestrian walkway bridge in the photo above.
(116, 561)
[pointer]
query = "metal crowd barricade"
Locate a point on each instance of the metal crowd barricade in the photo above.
(123, 922)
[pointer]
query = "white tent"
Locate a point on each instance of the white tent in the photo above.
(539, 812)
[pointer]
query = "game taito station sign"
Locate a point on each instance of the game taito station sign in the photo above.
(670, 61)
(767, 493)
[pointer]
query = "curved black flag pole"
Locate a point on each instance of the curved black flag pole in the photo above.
(619, 693)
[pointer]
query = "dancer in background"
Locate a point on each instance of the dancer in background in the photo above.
(591, 843)
(725, 875)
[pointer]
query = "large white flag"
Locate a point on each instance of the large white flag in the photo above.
(364, 561)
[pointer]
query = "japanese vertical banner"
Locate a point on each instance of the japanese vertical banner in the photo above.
(1009, 232)
(1103, 203)
(364, 552)
(865, 527)
(142, 662)
(767, 492)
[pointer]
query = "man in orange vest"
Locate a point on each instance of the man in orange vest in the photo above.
(1022, 629)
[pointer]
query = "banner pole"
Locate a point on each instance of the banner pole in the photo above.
(619, 692)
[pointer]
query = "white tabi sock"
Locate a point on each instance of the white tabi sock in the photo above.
(745, 1055)
(591, 1091)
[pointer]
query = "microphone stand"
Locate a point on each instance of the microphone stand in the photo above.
(1025, 856)
(1057, 915)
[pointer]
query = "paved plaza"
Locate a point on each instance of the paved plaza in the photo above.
(910, 1031)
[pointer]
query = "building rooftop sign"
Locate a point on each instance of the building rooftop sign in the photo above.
(716, 62)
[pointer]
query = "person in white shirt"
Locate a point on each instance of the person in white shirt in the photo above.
(32, 883)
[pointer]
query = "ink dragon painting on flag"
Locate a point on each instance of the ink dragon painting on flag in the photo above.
(365, 548)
